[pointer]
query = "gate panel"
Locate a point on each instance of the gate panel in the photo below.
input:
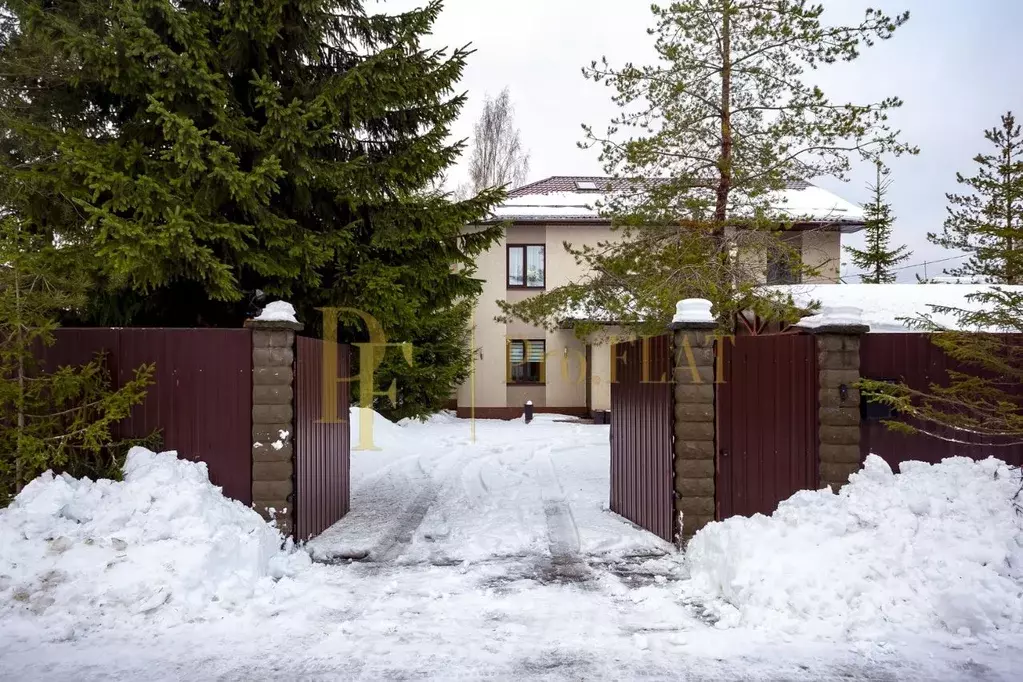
(322, 441)
(767, 423)
(912, 359)
(200, 401)
(641, 434)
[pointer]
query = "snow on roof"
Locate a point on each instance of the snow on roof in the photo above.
(885, 308)
(561, 198)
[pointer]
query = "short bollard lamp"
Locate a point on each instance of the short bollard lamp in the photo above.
(528, 411)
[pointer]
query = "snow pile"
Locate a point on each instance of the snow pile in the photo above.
(163, 540)
(442, 418)
(278, 311)
(934, 548)
(888, 307)
(385, 434)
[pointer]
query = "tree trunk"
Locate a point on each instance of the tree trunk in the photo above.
(19, 347)
(725, 162)
(724, 184)
(1011, 276)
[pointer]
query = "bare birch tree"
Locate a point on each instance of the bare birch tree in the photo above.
(498, 157)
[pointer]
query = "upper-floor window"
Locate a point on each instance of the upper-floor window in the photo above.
(527, 264)
(783, 271)
(783, 261)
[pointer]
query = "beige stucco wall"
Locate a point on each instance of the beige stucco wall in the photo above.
(600, 397)
(566, 353)
(490, 335)
(823, 250)
(566, 370)
(819, 249)
(517, 396)
(600, 359)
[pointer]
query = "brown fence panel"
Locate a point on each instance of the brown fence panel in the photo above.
(767, 423)
(641, 434)
(322, 440)
(200, 401)
(912, 359)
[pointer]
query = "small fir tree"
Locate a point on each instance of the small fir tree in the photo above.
(50, 418)
(878, 259)
(987, 220)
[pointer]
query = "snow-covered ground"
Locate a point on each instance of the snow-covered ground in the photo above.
(498, 559)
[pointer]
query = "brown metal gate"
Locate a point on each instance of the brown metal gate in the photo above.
(912, 359)
(322, 441)
(641, 434)
(201, 398)
(767, 423)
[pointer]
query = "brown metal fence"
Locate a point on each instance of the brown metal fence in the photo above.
(200, 401)
(322, 440)
(767, 423)
(912, 359)
(641, 434)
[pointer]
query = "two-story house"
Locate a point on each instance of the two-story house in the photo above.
(558, 372)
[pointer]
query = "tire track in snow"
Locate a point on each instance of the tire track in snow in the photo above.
(396, 540)
(562, 531)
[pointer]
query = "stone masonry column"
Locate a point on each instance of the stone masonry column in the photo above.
(273, 427)
(838, 373)
(695, 427)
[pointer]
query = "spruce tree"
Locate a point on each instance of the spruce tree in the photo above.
(986, 221)
(707, 135)
(206, 152)
(981, 396)
(877, 258)
(58, 418)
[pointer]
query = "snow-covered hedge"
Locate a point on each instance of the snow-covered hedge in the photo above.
(930, 548)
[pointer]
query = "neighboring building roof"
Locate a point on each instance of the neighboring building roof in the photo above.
(571, 198)
(886, 308)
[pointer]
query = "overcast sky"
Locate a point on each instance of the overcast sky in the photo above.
(956, 64)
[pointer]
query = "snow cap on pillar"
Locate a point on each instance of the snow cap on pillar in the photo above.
(693, 312)
(836, 319)
(276, 315)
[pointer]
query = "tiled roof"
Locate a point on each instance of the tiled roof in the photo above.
(601, 185)
(575, 199)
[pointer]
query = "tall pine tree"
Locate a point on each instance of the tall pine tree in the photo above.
(208, 151)
(877, 258)
(986, 221)
(708, 135)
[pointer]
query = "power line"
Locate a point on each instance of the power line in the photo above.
(914, 265)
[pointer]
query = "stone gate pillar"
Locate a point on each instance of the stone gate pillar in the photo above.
(273, 422)
(695, 427)
(838, 331)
